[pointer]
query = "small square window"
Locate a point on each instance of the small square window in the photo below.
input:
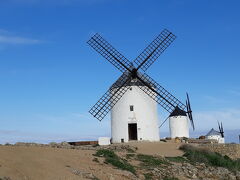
(131, 108)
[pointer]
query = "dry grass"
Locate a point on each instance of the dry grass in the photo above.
(194, 154)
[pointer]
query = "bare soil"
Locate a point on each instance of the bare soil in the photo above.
(158, 148)
(47, 163)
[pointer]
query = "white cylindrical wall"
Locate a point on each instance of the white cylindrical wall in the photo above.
(221, 140)
(178, 126)
(216, 137)
(144, 114)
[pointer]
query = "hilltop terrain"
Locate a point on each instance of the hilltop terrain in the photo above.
(145, 160)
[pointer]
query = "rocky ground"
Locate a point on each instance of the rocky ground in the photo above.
(198, 171)
(63, 161)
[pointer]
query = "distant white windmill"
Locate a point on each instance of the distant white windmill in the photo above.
(217, 135)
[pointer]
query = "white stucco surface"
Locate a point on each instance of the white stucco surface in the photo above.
(216, 137)
(102, 141)
(144, 114)
(178, 126)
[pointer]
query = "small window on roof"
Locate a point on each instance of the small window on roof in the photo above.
(131, 108)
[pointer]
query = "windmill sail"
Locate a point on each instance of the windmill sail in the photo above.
(160, 94)
(110, 98)
(144, 82)
(109, 52)
(154, 50)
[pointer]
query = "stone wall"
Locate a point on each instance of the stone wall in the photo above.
(231, 150)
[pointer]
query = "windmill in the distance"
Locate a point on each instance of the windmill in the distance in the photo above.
(133, 98)
(178, 123)
(216, 135)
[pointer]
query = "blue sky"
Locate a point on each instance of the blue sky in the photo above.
(50, 77)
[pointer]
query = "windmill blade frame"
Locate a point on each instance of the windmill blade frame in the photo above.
(146, 83)
(111, 97)
(163, 122)
(154, 50)
(220, 127)
(110, 53)
(222, 130)
(189, 111)
(159, 94)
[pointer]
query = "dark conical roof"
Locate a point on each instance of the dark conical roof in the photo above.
(213, 132)
(178, 112)
(134, 82)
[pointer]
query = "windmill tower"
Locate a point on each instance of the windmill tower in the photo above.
(217, 135)
(137, 113)
(178, 121)
(133, 98)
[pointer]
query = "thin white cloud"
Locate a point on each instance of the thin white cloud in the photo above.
(17, 40)
(9, 38)
(208, 119)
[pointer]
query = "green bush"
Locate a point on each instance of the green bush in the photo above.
(130, 155)
(148, 176)
(150, 161)
(179, 159)
(105, 153)
(113, 159)
(194, 154)
(130, 150)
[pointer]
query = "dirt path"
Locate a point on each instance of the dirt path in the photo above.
(44, 163)
(47, 163)
(158, 148)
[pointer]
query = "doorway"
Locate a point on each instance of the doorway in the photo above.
(132, 131)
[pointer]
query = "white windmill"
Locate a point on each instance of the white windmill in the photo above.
(216, 135)
(133, 98)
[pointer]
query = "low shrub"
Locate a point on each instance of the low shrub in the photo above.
(130, 155)
(148, 176)
(194, 154)
(105, 153)
(178, 159)
(150, 161)
(115, 160)
(130, 149)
